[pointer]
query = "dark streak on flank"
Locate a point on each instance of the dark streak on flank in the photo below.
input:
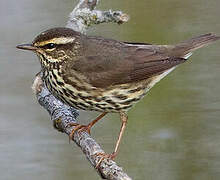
(54, 75)
(72, 94)
(130, 101)
(136, 89)
(121, 96)
(66, 93)
(60, 83)
(83, 105)
(111, 102)
(123, 108)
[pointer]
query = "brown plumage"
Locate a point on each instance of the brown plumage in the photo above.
(95, 73)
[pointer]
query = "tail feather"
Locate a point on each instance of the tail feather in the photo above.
(195, 43)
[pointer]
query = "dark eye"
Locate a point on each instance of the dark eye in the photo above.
(50, 46)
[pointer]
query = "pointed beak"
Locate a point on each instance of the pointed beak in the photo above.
(29, 47)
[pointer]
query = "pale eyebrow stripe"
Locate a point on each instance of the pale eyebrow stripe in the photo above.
(59, 40)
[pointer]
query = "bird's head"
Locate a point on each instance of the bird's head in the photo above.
(55, 46)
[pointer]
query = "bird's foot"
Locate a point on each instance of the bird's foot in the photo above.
(79, 128)
(87, 128)
(105, 156)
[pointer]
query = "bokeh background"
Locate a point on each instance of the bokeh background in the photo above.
(173, 133)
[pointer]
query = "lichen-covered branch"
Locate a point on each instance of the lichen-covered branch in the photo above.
(62, 115)
(85, 15)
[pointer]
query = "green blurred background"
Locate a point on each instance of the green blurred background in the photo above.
(173, 133)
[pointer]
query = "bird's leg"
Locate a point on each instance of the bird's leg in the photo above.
(124, 118)
(85, 127)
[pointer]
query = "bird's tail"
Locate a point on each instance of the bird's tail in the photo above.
(187, 47)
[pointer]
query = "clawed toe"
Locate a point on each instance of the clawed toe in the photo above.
(105, 156)
(78, 128)
(86, 128)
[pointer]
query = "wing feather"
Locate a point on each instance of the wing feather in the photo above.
(121, 63)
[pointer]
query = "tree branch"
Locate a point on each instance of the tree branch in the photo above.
(84, 15)
(80, 19)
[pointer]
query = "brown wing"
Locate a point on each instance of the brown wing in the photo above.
(108, 62)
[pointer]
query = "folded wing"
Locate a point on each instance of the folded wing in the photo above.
(121, 63)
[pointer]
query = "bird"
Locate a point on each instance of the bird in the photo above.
(109, 76)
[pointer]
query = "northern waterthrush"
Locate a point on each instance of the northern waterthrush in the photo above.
(105, 75)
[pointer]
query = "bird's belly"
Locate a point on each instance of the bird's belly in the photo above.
(112, 99)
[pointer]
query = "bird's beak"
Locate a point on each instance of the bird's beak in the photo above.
(29, 47)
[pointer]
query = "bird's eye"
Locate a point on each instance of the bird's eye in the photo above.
(50, 46)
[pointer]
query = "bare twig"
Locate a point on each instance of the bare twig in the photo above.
(81, 17)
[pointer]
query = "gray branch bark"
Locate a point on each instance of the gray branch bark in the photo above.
(85, 15)
(82, 16)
